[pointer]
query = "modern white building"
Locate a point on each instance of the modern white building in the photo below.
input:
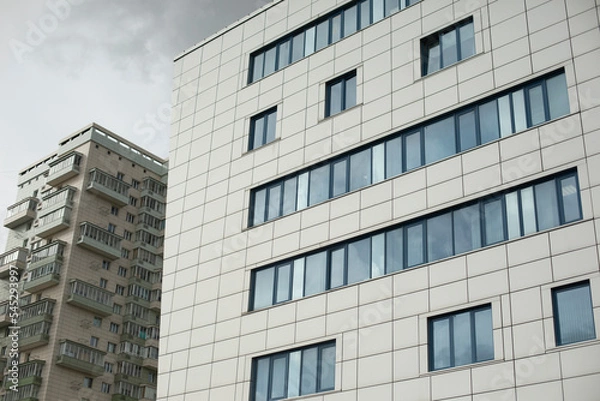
(386, 200)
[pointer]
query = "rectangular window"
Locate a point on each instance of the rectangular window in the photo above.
(461, 338)
(114, 328)
(573, 313)
(119, 289)
(106, 265)
(105, 388)
(111, 228)
(463, 228)
(340, 94)
(111, 347)
(262, 128)
(97, 321)
(303, 371)
(94, 341)
(114, 210)
(87, 382)
(108, 367)
(103, 283)
(448, 46)
(122, 271)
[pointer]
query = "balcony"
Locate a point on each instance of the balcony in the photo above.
(13, 259)
(33, 341)
(5, 319)
(154, 188)
(51, 253)
(108, 187)
(21, 213)
(27, 392)
(43, 277)
(150, 363)
(31, 372)
(63, 168)
(91, 298)
(99, 240)
(81, 358)
(40, 311)
(53, 222)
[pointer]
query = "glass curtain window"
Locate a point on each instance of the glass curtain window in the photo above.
(304, 371)
(573, 313)
(543, 204)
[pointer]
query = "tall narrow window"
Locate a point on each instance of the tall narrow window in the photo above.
(262, 128)
(448, 46)
(573, 313)
(340, 94)
(293, 373)
(461, 338)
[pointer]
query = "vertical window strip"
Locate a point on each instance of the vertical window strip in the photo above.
(262, 128)
(491, 220)
(317, 35)
(573, 313)
(302, 371)
(448, 46)
(464, 129)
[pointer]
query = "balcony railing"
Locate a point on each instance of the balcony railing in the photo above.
(154, 188)
(81, 358)
(21, 213)
(28, 392)
(5, 319)
(31, 372)
(43, 277)
(16, 258)
(91, 298)
(58, 199)
(37, 311)
(50, 253)
(35, 334)
(53, 222)
(109, 187)
(63, 168)
(99, 240)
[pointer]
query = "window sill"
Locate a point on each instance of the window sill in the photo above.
(580, 344)
(246, 152)
(446, 68)
(462, 367)
(341, 112)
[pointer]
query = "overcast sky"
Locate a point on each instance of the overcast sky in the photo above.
(67, 63)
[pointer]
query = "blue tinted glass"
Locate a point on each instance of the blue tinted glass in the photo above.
(337, 267)
(309, 371)
(378, 10)
(327, 380)
(350, 20)
(284, 54)
(546, 205)
(298, 290)
(302, 201)
(270, 60)
(467, 130)
(377, 255)
(449, 48)
(439, 237)
(391, 6)
(334, 97)
(413, 150)
(558, 97)
(350, 95)
(309, 41)
(359, 260)
(339, 178)
(360, 169)
(484, 337)
(536, 105)
(297, 47)
(573, 314)
(393, 157)
(271, 121)
(441, 343)
(494, 221)
(467, 40)
(440, 140)
(433, 57)
(289, 196)
(394, 250)
(257, 66)
(336, 28)
(294, 374)
(570, 199)
(414, 242)
(274, 202)
(278, 378)
(513, 220)
(315, 273)
(528, 210)
(488, 122)
(319, 185)
(259, 206)
(467, 229)
(378, 156)
(518, 103)
(261, 392)
(258, 132)
(322, 34)
(365, 13)
(504, 116)
(263, 288)
(462, 339)
(283, 283)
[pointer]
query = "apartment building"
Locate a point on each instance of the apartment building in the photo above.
(386, 200)
(86, 239)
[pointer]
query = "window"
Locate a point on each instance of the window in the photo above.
(111, 347)
(133, 201)
(105, 388)
(573, 313)
(108, 367)
(127, 235)
(87, 382)
(338, 24)
(461, 338)
(94, 341)
(135, 183)
(111, 228)
(119, 289)
(97, 322)
(120, 176)
(263, 128)
(125, 253)
(444, 136)
(130, 218)
(448, 46)
(340, 94)
(546, 203)
(105, 264)
(116, 309)
(114, 328)
(122, 271)
(114, 210)
(103, 283)
(288, 374)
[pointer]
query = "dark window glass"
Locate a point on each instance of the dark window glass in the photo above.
(461, 338)
(440, 140)
(433, 57)
(341, 94)
(359, 260)
(573, 313)
(439, 237)
(446, 47)
(570, 199)
(263, 128)
(468, 130)
(319, 185)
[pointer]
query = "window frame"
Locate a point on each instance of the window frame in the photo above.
(436, 38)
(558, 340)
(343, 80)
(265, 116)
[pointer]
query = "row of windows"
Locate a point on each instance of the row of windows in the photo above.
(313, 37)
(490, 220)
(455, 339)
(512, 111)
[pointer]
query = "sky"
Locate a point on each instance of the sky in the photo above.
(67, 63)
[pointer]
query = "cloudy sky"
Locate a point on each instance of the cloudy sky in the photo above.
(66, 63)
